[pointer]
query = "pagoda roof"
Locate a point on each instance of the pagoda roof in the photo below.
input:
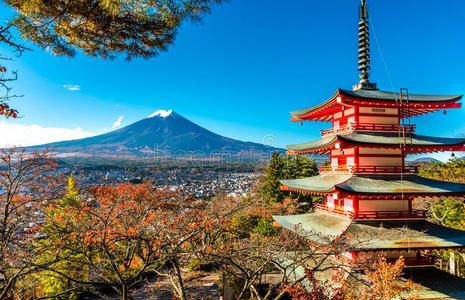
(374, 184)
(376, 95)
(434, 284)
(386, 139)
(373, 235)
(390, 96)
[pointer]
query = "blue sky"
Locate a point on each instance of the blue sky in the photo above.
(246, 66)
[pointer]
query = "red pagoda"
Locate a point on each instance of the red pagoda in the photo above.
(368, 187)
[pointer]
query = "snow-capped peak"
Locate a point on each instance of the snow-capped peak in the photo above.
(161, 113)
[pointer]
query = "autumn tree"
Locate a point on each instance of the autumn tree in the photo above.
(8, 40)
(197, 230)
(382, 280)
(108, 239)
(113, 236)
(105, 28)
(27, 185)
(253, 245)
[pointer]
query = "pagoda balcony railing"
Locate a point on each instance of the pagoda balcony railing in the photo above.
(371, 215)
(347, 128)
(343, 169)
(412, 262)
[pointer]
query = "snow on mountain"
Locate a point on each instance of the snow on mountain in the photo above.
(161, 113)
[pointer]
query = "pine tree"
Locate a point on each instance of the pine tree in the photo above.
(275, 172)
(300, 167)
(49, 283)
(307, 167)
(72, 197)
(286, 167)
(136, 28)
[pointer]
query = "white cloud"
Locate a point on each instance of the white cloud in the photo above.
(71, 87)
(29, 135)
(117, 122)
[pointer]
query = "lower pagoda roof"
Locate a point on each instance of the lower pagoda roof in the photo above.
(373, 235)
(374, 184)
(380, 139)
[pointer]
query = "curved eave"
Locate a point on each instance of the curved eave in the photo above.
(373, 236)
(318, 185)
(315, 111)
(306, 192)
(379, 185)
(378, 95)
(382, 195)
(323, 145)
(418, 104)
(419, 144)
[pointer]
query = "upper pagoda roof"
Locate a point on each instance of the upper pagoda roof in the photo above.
(373, 235)
(374, 184)
(377, 96)
(390, 96)
(384, 139)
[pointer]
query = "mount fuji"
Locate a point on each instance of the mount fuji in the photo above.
(164, 134)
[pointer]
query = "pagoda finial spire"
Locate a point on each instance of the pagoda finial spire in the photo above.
(364, 50)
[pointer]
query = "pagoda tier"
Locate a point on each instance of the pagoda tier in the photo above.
(374, 184)
(414, 240)
(370, 102)
(372, 196)
(373, 235)
(363, 142)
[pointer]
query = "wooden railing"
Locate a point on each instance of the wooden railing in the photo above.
(386, 169)
(335, 211)
(416, 214)
(372, 215)
(338, 169)
(368, 127)
(422, 261)
(413, 261)
(338, 130)
(343, 169)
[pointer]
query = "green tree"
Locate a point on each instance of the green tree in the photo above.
(49, 284)
(272, 189)
(453, 170)
(105, 28)
(300, 167)
(286, 167)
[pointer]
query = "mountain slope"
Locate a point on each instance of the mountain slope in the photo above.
(164, 133)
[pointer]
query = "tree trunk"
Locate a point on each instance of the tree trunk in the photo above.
(124, 294)
(177, 270)
(452, 263)
(243, 290)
